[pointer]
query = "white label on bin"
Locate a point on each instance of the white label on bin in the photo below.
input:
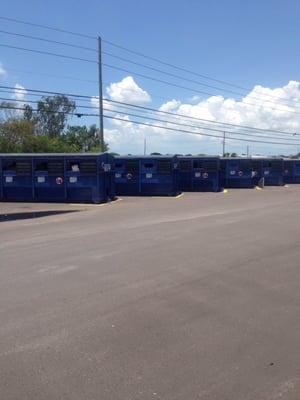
(266, 172)
(73, 179)
(9, 179)
(75, 168)
(197, 174)
(106, 167)
(117, 175)
(41, 179)
(148, 176)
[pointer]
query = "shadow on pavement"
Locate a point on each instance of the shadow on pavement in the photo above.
(32, 214)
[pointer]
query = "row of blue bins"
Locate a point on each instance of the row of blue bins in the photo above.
(169, 175)
(100, 177)
(248, 172)
(57, 177)
(214, 173)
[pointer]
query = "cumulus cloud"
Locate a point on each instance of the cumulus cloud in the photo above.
(2, 70)
(19, 92)
(170, 105)
(127, 90)
(262, 107)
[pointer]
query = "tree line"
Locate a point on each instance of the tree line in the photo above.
(45, 128)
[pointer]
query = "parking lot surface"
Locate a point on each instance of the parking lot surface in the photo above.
(195, 297)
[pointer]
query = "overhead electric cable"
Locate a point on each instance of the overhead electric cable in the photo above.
(145, 108)
(48, 53)
(19, 21)
(140, 54)
(157, 126)
(160, 120)
(141, 75)
(48, 40)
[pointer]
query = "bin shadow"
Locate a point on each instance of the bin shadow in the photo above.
(32, 214)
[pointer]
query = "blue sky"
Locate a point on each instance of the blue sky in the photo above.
(246, 43)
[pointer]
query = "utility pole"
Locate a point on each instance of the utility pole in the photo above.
(224, 142)
(248, 150)
(145, 146)
(101, 130)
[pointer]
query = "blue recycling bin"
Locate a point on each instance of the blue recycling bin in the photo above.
(127, 175)
(88, 178)
(146, 175)
(49, 178)
(199, 173)
(236, 173)
(291, 171)
(16, 178)
(272, 171)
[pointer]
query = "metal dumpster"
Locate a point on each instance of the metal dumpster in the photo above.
(291, 171)
(272, 171)
(16, 178)
(236, 173)
(49, 178)
(127, 176)
(146, 175)
(57, 177)
(88, 177)
(199, 173)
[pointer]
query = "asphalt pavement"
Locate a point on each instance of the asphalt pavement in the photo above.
(187, 298)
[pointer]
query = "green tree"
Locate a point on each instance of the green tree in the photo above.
(51, 115)
(84, 138)
(14, 131)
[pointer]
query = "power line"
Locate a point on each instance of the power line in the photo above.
(160, 120)
(162, 127)
(195, 126)
(140, 54)
(125, 60)
(148, 109)
(47, 27)
(72, 78)
(183, 69)
(242, 133)
(187, 79)
(141, 75)
(201, 119)
(145, 110)
(48, 40)
(136, 63)
(48, 53)
(191, 89)
(201, 134)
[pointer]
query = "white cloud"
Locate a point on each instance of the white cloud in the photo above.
(2, 70)
(170, 105)
(95, 101)
(262, 107)
(19, 92)
(127, 90)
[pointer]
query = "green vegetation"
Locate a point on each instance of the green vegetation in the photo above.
(45, 129)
